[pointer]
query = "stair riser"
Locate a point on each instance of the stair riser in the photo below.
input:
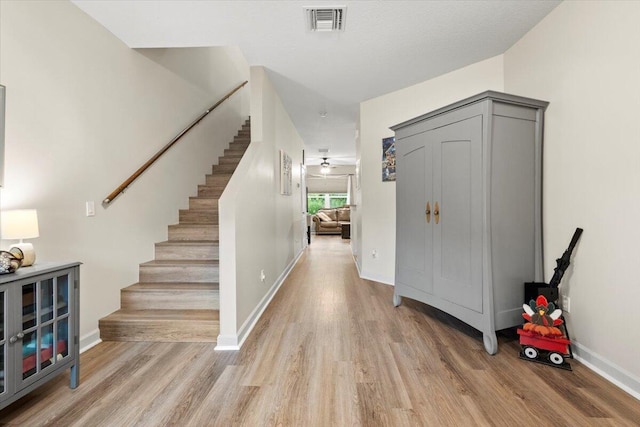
(230, 154)
(209, 191)
(159, 331)
(224, 169)
(203, 232)
(170, 300)
(192, 273)
(203, 203)
(196, 216)
(184, 252)
(239, 145)
(219, 181)
(229, 161)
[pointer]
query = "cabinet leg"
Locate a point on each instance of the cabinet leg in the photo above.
(75, 376)
(490, 342)
(397, 300)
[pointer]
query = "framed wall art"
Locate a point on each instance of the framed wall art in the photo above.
(389, 159)
(285, 173)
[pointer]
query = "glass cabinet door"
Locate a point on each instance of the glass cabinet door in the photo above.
(45, 324)
(3, 340)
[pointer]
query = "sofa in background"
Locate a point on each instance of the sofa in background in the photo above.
(337, 217)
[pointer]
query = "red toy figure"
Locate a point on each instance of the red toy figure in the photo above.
(543, 317)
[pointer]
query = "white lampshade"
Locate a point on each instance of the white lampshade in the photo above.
(21, 224)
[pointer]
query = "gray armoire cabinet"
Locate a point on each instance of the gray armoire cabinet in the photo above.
(468, 209)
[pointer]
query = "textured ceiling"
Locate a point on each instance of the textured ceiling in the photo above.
(386, 46)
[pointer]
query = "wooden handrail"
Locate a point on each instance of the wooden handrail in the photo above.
(115, 193)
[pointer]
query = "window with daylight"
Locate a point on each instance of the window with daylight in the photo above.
(325, 200)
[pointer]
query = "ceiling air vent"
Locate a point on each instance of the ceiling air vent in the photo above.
(325, 18)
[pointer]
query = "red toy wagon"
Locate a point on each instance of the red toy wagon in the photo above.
(538, 348)
(541, 338)
(544, 337)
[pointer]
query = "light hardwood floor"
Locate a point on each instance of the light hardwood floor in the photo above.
(330, 350)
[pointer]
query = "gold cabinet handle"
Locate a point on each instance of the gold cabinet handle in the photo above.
(427, 212)
(436, 212)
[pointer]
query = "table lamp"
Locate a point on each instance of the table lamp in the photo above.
(21, 224)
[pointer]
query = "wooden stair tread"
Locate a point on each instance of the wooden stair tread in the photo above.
(197, 216)
(161, 325)
(188, 242)
(206, 229)
(194, 225)
(175, 295)
(203, 202)
(179, 262)
(194, 211)
(212, 316)
(219, 187)
(175, 249)
(172, 286)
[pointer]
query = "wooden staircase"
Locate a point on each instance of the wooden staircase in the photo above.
(177, 296)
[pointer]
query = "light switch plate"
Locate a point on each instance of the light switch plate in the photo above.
(90, 209)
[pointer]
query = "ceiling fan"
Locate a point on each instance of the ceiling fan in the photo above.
(325, 166)
(325, 171)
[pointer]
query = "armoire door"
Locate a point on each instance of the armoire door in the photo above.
(413, 217)
(458, 212)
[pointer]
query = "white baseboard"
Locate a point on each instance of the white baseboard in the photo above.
(607, 369)
(234, 342)
(227, 343)
(90, 340)
(376, 278)
(355, 260)
(372, 277)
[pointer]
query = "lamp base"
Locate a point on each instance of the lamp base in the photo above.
(28, 252)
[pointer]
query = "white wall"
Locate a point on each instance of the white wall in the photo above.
(375, 215)
(584, 59)
(261, 230)
(84, 112)
(206, 68)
